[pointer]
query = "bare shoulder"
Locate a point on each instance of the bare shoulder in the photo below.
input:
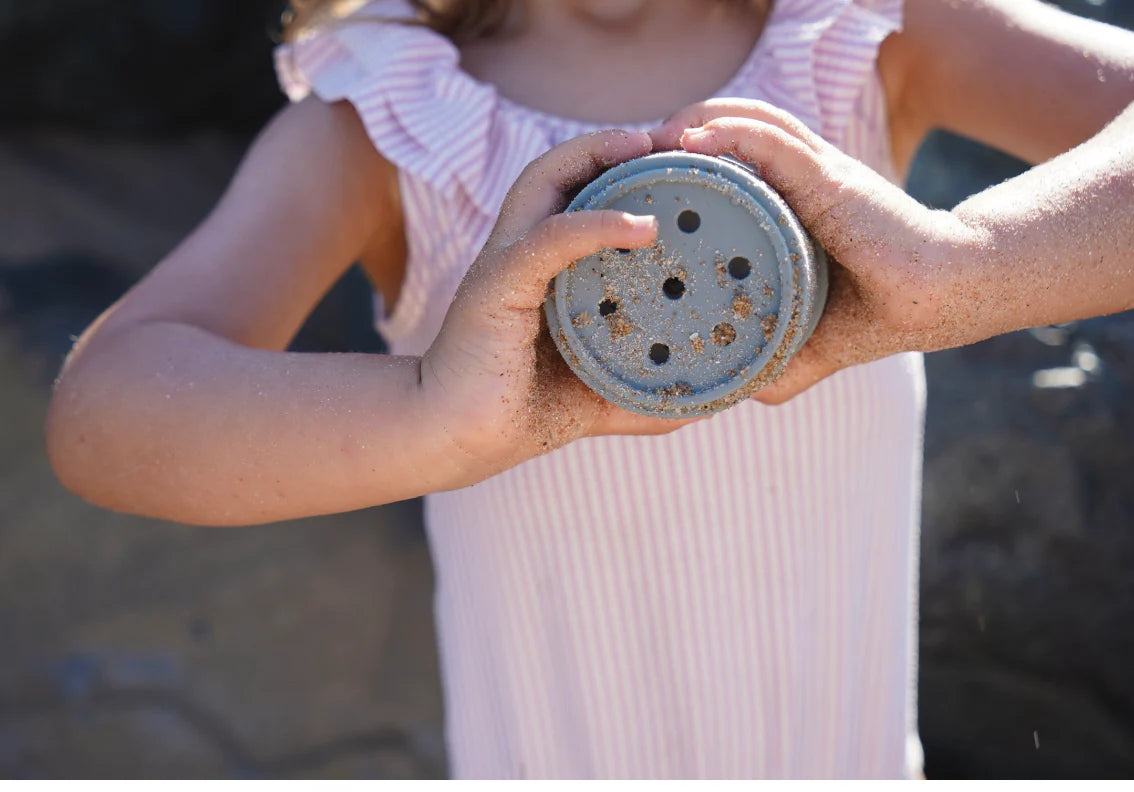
(1021, 75)
(318, 149)
(344, 184)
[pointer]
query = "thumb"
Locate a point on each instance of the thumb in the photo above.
(521, 273)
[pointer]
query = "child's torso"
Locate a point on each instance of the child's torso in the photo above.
(733, 599)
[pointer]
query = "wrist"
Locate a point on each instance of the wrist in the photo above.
(952, 284)
(464, 425)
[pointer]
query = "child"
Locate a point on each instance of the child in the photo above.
(733, 599)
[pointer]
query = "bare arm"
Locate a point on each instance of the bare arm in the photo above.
(177, 403)
(1020, 75)
(1051, 245)
(1056, 243)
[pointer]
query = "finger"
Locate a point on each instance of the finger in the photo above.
(542, 187)
(805, 369)
(794, 169)
(521, 273)
(668, 135)
(791, 384)
(623, 422)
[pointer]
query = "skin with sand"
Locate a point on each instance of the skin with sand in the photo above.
(181, 402)
(1049, 246)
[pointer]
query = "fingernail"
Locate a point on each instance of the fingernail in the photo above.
(643, 221)
(694, 134)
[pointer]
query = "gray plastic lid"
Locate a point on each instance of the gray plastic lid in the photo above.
(707, 314)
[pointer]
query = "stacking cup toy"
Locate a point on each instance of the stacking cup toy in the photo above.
(706, 315)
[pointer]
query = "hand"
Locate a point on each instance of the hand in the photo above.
(894, 267)
(493, 374)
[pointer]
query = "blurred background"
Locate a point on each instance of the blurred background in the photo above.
(131, 647)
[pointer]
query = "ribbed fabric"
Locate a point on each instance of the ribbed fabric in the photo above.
(735, 599)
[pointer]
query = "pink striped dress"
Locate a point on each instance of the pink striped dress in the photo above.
(736, 599)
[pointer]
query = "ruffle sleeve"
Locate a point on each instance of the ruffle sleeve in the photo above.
(825, 52)
(426, 116)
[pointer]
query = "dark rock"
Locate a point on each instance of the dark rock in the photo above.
(138, 66)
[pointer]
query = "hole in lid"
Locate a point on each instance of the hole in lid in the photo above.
(689, 221)
(622, 250)
(739, 268)
(723, 334)
(673, 288)
(607, 307)
(659, 353)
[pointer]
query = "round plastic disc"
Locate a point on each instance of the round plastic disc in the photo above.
(705, 315)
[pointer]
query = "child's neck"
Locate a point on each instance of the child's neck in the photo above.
(628, 61)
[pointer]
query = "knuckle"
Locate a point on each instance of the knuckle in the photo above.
(780, 114)
(765, 108)
(611, 222)
(779, 137)
(528, 246)
(556, 226)
(549, 232)
(525, 245)
(722, 124)
(691, 114)
(596, 224)
(534, 168)
(543, 168)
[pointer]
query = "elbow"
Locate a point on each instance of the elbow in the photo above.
(72, 439)
(75, 428)
(109, 441)
(111, 462)
(87, 445)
